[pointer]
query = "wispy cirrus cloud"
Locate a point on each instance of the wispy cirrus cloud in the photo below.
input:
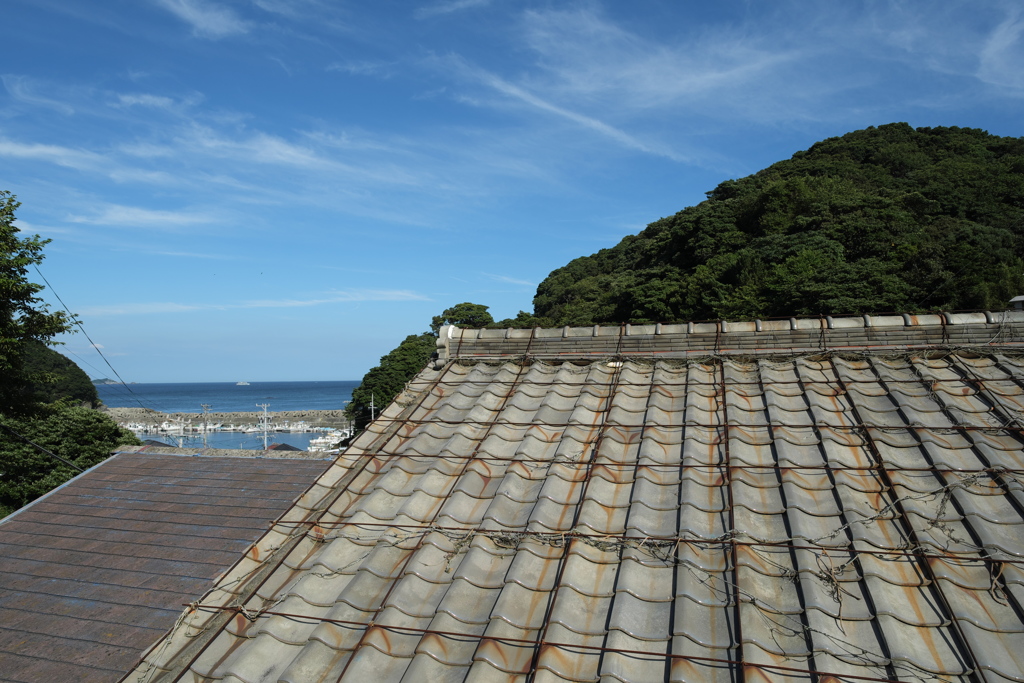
(174, 105)
(510, 280)
(524, 96)
(448, 7)
(23, 90)
(1002, 56)
(193, 254)
(364, 67)
(133, 216)
(207, 19)
(344, 296)
(144, 100)
(68, 157)
(585, 57)
(334, 297)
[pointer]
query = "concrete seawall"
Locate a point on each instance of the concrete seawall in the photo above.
(314, 418)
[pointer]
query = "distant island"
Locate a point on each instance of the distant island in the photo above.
(107, 380)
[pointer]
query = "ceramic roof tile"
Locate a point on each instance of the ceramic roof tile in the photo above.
(638, 521)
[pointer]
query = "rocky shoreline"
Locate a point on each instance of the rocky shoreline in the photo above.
(314, 418)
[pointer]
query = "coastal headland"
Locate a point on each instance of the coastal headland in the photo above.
(334, 419)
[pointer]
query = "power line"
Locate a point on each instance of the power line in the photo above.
(95, 369)
(78, 322)
(32, 443)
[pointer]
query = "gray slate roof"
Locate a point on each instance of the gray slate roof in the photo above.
(826, 515)
(98, 569)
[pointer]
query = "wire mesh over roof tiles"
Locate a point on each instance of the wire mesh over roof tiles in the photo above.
(824, 517)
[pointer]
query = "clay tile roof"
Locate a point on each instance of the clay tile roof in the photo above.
(97, 570)
(555, 506)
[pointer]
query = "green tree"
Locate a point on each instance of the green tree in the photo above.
(81, 435)
(521, 321)
(24, 318)
(472, 316)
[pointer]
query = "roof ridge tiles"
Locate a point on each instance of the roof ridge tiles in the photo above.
(752, 339)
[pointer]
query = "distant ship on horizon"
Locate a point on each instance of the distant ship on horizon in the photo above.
(241, 384)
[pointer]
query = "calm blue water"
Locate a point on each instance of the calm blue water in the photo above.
(226, 397)
(236, 440)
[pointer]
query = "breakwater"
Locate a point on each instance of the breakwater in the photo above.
(334, 419)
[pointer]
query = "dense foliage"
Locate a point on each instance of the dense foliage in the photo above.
(385, 381)
(463, 315)
(882, 219)
(84, 436)
(55, 377)
(24, 318)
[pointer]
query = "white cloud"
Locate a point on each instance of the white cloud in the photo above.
(85, 161)
(144, 100)
(511, 280)
(338, 297)
(346, 296)
(526, 97)
(449, 6)
(1002, 57)
(260, 148)
(136, 309)
(584, 55)
(207, 19)
(78, 159)
(363, 68)
(21, 89)
(297, 9)
(133, 216)
(193, 254)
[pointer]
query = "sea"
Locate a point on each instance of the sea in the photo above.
(229, 397)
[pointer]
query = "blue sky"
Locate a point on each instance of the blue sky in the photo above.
(284, 189)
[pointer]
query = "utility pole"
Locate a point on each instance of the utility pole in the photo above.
(206, 409)
(264, 422)
(372, 415)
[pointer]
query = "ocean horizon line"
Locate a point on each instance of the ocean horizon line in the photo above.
(234, 382)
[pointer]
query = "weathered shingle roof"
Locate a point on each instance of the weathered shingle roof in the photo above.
(828, 515)
(98, 569)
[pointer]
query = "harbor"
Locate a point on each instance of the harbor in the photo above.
(314, 430)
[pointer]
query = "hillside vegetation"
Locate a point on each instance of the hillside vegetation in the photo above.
(56, 377)
(883, 219)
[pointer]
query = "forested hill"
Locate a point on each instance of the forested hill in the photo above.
(883, 219)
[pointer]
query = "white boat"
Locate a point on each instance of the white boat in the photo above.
(176, 427)
(329, 441)
(300, 426)
(241, 384)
